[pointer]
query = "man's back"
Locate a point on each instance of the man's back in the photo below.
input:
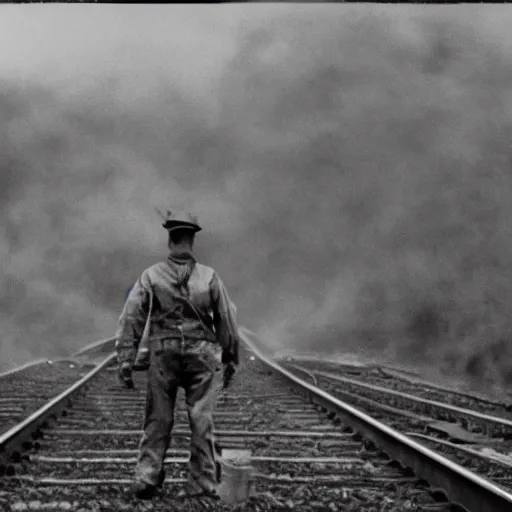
(182, 299)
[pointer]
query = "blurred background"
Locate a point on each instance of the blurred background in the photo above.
(350, 165)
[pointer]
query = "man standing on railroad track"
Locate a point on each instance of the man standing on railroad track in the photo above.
(192, 330)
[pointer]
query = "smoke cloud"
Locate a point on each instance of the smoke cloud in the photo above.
(351, 171)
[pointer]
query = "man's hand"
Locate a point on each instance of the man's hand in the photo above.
(229, 373)
(125, 376)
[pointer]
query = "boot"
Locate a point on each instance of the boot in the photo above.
(144, 491)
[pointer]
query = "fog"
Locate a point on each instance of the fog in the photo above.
(350, 166)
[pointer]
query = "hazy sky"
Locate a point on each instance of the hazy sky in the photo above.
(71, 39)
(194, 41)
(314, 141)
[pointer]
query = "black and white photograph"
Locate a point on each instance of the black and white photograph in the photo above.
(256, 257)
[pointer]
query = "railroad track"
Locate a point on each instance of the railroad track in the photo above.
(398, 380)
(473, 431)
(23, 390)
(309, 450)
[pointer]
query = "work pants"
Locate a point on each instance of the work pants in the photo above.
(194, 366)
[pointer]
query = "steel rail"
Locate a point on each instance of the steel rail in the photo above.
(13, 439)
(412, 377)
(502, 422)
(463, 488)
(24, 366)
(37, 362)
(92, 346)
(310, 374)
(460, 447)
(81, 352)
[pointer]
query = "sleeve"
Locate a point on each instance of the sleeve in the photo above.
(224, 321)
(132, 321)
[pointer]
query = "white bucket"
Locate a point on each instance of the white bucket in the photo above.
(236, 478)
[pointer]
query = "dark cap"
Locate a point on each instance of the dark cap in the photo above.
(180, 220)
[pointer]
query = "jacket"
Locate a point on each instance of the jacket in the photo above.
(165, 294)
